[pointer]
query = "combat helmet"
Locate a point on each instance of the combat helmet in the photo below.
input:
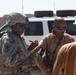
(14, 18)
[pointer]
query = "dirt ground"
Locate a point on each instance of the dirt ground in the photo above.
(36, 71)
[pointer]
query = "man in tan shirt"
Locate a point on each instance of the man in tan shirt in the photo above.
(65, 63)
(51, 43)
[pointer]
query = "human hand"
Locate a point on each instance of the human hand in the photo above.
(33, 45)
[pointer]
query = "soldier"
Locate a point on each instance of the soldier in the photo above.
(51, 44)
(15, 58)
(65, 63)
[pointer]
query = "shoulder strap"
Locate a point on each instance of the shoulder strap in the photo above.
(50, 63)
(55, 50)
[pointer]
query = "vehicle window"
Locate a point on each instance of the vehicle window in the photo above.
(50, 25)
(71, 28)
(5, 28)
(34, 28)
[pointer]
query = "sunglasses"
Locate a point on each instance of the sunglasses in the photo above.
(61, 28)
(21, 25)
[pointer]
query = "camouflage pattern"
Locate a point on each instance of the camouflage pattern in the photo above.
(14, 18)
(49, 43)
(65, 63)
(15, 59)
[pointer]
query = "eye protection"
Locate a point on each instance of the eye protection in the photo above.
(21, 25)
(61, 28)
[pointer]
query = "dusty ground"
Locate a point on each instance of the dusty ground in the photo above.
(36, 71)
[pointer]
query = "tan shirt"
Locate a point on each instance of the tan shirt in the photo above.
(49, 43)
(65, 63)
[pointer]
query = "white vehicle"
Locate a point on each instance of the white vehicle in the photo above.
(41, 26)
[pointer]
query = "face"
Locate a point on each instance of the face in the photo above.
(19, 28)
(59, 29)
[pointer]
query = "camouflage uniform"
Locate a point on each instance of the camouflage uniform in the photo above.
(15, 59)
(49, 43)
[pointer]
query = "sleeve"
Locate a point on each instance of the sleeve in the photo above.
(13, 55)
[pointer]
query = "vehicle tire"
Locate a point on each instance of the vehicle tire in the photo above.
(43, 13)
(64, 13)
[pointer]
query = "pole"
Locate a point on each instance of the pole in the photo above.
(54, 6)
(22, 7)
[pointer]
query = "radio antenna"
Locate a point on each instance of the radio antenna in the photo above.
(22, 7)
(54, 6)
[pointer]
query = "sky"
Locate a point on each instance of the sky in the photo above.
(29, 6)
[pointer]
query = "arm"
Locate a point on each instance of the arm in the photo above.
(13, 53)
(33, 45)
